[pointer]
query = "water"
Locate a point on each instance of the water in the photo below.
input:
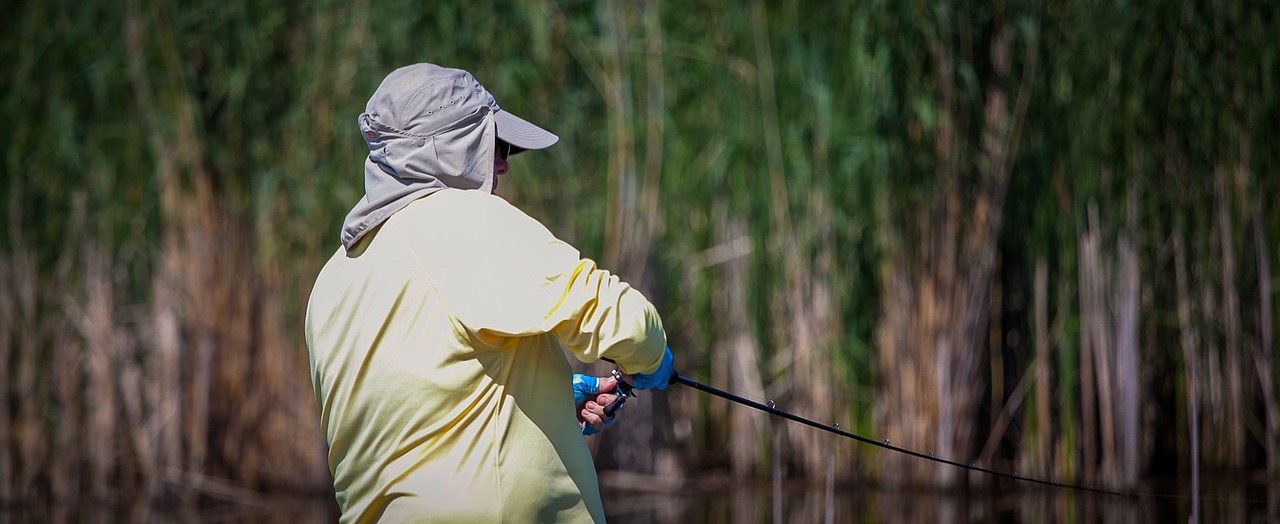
(819, 504)
(728, 502)
(277, 510)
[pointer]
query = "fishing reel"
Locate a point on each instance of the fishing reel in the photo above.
(623, 390)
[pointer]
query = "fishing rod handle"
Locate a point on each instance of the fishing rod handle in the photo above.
(614, 406)
(625, 389)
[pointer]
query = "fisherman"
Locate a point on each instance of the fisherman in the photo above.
(437, 329)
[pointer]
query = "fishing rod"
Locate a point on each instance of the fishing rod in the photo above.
(626, 390)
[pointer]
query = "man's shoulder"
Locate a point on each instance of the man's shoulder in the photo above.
(464, 202)
(468, 212)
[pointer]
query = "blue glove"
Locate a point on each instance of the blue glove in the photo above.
(585, 387)
(658, 379)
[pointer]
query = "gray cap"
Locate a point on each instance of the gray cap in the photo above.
(430, 128)
(425, 99)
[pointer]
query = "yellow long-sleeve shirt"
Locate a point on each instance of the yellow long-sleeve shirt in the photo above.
(437, 362)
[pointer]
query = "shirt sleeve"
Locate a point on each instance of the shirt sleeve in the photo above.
(506, 275)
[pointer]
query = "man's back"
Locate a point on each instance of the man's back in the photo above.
(432, 359)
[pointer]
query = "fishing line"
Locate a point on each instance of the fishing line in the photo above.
(676, 378)
(626, 390)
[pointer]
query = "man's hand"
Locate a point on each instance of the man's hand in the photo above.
(590, 396)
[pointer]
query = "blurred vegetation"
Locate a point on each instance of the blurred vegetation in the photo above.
(1037, 235)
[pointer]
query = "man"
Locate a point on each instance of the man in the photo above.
(437, 330)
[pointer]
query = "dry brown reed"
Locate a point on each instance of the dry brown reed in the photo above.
(736, 359)
(1232, 370)
(1264, 349)
(632, 219)
(201, 389)
(6, 332)
(1112, 381)
(802, 306)
(1190, 342)
(935, 316)
(111, 403)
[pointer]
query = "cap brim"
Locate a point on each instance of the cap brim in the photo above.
(522, 134)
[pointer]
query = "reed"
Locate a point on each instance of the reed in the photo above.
(1031, 235)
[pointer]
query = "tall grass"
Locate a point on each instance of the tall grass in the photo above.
(1035, 236)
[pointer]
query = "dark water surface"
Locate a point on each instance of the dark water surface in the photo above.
(1218, 503)
(760, 503)
(282, 510)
